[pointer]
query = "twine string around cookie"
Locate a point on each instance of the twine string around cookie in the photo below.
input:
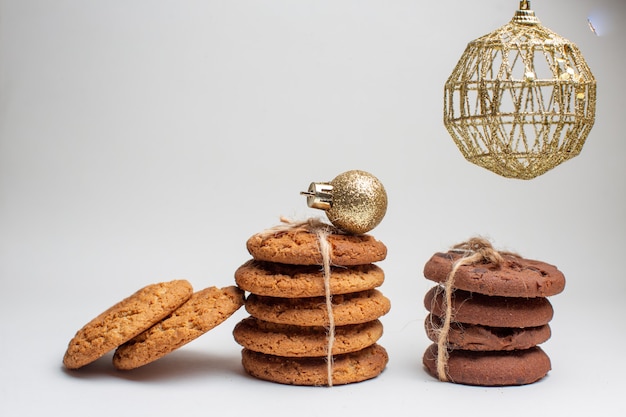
(474, 250)
(321, 231)
(325, 250)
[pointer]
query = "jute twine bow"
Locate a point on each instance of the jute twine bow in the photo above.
(474, 250)
(321, 230)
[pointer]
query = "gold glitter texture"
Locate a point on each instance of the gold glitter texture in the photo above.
(521, 100)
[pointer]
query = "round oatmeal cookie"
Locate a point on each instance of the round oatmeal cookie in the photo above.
(516, 367)
(354, 308)
(475, 337)
(125, 320)
(298, 341)
(297, 281)
(202, 312)
(474, 308)
(302, 248)
(517, 277)
(352, 367)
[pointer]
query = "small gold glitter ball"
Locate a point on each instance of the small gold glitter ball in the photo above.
(355, 201)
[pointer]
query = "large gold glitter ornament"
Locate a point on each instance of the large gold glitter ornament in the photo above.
(355, 201)
(521, 100)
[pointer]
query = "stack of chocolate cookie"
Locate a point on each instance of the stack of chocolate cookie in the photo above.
(500, 315)
(285, 338)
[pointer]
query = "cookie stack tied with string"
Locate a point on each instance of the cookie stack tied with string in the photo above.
(313, 300)
(488, 315)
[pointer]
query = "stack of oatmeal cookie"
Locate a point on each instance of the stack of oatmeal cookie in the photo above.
(285, 338)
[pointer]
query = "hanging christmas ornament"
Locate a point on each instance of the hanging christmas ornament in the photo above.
(521, 100)
(355, 201)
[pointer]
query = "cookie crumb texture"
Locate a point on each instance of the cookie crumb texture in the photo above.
(500, 315)
(286, 338)
(125, 320)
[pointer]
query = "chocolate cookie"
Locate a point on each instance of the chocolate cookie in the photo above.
(494, 311)
(517, 277)
(202, 312)
(298, 281)
(481, 338)
(302, 248)
(351, 308)
(125, 320)
(517, 367)
(297, 341)
(351, 367)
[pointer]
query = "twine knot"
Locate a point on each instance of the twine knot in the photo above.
(479, 249)
(311, 225)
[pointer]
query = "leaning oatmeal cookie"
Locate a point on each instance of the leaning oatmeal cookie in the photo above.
(202, 312)
(125, 320)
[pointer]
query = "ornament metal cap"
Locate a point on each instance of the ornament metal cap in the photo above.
(525, 15)
(319, 195)
(354, 201)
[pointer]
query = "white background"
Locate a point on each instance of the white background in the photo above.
(143, 141)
